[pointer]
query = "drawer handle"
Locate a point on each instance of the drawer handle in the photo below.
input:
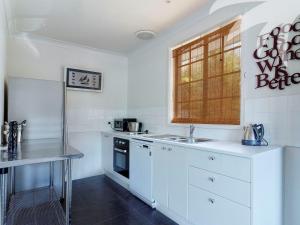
(211, 200)
(211, 158)
(169, 149)
(212, 179)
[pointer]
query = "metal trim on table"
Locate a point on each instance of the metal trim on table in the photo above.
(68, 199)
(3, 195)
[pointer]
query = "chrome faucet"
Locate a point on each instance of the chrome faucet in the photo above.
(192, 129)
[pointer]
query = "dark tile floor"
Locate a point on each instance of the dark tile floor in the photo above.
(100, 201)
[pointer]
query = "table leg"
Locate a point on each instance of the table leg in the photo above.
(68, 199)
(3, 195)
(63, 179)
(51, 175)
(12, 190)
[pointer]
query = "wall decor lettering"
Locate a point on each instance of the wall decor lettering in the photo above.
(274, 51)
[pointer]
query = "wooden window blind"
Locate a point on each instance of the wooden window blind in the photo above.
(207, 78)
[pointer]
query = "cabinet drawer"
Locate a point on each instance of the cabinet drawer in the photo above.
(233, 189)
(209, 209)
(232, 166)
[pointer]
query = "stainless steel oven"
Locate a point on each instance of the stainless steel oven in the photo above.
(121, 156)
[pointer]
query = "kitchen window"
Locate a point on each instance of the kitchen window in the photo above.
(207, 78)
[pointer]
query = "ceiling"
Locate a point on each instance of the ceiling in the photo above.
(102, 24)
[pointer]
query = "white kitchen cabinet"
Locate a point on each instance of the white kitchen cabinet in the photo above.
(221, 185)
(177, 180)
(206, 208)
(237, 167)
(160, 175)
(170, 178)
(233, 190)
(211, 183)
(107, 152)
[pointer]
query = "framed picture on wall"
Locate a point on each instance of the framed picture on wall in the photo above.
(83, 80)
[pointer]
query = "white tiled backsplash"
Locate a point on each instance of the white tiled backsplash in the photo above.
(280, 115)
(91, 119)
(156, 120)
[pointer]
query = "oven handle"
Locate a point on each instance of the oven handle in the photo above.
(120, 150)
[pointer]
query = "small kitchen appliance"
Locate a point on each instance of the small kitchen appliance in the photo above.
(135, 127)
(122, 124)
(254, 135)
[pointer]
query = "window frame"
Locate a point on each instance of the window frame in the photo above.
(171, 79)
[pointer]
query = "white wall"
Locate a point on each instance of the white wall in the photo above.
(278, 110)
(87, 112)
(148, 81)
(3, 37)
(292, 196)
(149, 71)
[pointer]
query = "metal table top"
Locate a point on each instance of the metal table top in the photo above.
(38, 151)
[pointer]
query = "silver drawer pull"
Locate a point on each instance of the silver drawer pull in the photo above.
(211, 158)
(211, 200)
(212, 179)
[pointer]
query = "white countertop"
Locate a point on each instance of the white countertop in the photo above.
(225, 147)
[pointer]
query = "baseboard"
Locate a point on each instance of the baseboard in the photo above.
(101, 172)
(125, 183)
(148, 202)
(118, 179)
(167, 212)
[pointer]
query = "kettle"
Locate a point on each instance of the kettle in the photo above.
(254, 135)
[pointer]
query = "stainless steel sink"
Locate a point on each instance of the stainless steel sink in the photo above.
(174, 138)
(178, 138)
(167, 137)
(163, 136)
(193, 140)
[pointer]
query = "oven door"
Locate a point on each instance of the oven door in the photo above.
(121, 162)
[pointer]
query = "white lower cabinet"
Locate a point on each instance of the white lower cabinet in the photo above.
(160, 175)
(177, 181)
(203, 187)
(227, 187)
(232, 166)
(206, 208)
(107, 152)
(170, 178)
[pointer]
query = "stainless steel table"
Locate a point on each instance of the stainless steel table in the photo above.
(32, 152)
